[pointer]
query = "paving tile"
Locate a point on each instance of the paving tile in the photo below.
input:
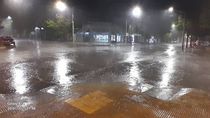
(91, 102)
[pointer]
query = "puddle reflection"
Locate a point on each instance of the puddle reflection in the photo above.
(19, 81)
(12, 57)
(134, 73)
(169, 68)
(62, 69)
(38, 48)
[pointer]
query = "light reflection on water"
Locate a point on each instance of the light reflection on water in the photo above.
(134, 73)
(12, 57)
(19, 80)
(51, 91)
(62, 70)
(165, 90)
(38, 48)
(169, 68)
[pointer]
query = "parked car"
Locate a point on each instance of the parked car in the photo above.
(7, 41)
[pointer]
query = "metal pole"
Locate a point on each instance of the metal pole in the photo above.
(183, 38)
(72, 16)
(126, 31)
(187, 41)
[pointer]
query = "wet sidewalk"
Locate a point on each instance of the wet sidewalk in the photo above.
(107, 101)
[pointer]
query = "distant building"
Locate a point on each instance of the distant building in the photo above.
(100, 32)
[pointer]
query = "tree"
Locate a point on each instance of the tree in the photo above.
(205, 19)
(58, 29)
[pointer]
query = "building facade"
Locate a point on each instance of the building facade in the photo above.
(100, 32)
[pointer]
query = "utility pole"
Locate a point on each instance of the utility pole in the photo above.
(183, 33)
(72, 21)
(126, 31)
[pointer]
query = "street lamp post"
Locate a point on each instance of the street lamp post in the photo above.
(171, 10)
(183, 32)
(126, 31)
(9, 18)
(173, 26)
(136, 12)
(62, 6)
(43, 33)
(72, 21)
(37, 32)
(7, 24)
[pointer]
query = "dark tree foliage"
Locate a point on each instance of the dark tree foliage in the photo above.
(58, 29)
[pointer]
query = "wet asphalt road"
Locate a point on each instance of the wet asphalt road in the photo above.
(36, 73)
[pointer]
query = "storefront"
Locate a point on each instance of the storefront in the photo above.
(100, 32)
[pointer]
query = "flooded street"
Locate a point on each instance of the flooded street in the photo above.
(59, 80)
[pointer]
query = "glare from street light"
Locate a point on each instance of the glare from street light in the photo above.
(137, 12)
(36, 28)
(171, 9)
(19, 6)
(173, 26)
(61, 6)
(9, 18)
(17, 0)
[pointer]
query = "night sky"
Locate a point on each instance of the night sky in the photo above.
(34, 12)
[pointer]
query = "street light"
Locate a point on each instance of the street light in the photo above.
(9, 18)
(173, 26)
(61, 6)
(171, 9)
(7, 24)
(43, 33)
(37, 32)
(137, 12)
(36, 28)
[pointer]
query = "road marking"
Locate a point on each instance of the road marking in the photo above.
(91, 102)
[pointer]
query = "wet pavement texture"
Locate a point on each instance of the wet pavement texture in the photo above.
(41, 79)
